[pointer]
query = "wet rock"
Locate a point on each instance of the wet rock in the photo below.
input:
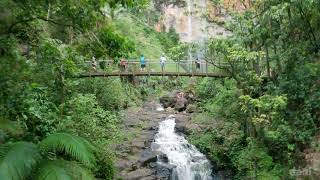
(149, 178)
(167, 101)
(147, 157)
(139, 174)
(164, 171)
(197, 177)
(153, 165)
(180, 128)
(163, 158)
(181, 104)
(155, 146)
(153, 128)
(121, 164)
(134, 166)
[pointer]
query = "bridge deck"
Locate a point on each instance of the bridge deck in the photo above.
(121, 74)
(153, 68)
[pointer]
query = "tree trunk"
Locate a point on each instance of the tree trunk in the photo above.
(267, 61)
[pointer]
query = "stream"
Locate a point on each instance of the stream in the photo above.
(189, 163)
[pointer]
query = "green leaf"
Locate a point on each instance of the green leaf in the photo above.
(63, 170)
(74, 146)
(17, 160)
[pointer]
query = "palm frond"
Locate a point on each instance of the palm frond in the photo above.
(63, 170)
(78, 172)
(53, 170)
(74, 146)
(17, 160)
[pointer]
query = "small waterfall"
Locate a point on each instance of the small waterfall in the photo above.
(190, 29)
(189, 163)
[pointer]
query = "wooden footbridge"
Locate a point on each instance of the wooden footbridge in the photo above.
(132, 68)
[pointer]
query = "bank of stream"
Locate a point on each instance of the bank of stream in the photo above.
(156, 147)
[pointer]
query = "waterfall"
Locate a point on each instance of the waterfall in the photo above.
(190, 29)
(189, 163)
(189, 3)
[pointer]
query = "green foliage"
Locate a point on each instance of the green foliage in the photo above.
(87, 119)
(74, 146)
(168, 39)
(254, 162)
(62, 170)
(146, 39)
(115, 44)
(179, 52)
(20, 160)
(17, 160)
(53, 170)
(273, 98)
(42, 45)
(40, 114)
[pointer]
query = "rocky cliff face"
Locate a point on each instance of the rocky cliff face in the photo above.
(199, 20)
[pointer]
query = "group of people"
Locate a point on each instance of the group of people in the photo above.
(124, 64)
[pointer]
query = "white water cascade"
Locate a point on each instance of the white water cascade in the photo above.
(189, 163)
(190, 30)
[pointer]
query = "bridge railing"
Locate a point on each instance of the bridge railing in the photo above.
(134, 66)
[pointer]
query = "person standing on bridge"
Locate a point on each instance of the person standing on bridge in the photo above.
(162, 62)
(94, 64)
(197, 64)
(123, 64)
(142, 62)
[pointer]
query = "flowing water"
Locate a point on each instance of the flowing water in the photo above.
(190, 30)
(189, 163)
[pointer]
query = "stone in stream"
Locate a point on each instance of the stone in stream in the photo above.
(181, 104)
(148, 156)
(164, 171)
(169, 99)
(163, 158)
(176, 99)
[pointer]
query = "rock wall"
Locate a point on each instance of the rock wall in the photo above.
(199, 20)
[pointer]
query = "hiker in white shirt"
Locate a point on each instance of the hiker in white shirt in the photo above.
(162, 61)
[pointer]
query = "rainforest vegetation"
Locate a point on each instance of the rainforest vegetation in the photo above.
(259, 121)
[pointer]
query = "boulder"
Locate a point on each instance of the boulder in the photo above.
(139, 174)
(181, 104)
(147, 156)
(167, 101)
(163, 158)
(165, 171)
(121, 164)
(180, 129)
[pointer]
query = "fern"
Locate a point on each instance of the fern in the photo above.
(63, 170)
(53, 170)
(74, 146)
(17, 160)
(78, 172)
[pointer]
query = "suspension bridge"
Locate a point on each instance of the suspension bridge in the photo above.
(108, 68)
